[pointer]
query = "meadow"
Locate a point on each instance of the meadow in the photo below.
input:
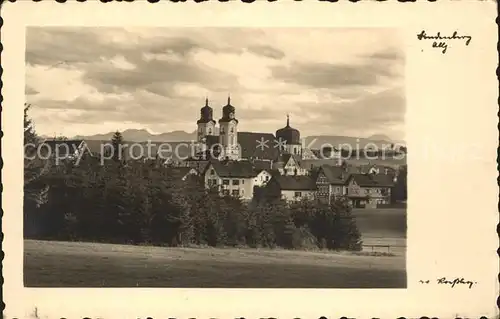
(65, 264)
(73, 264)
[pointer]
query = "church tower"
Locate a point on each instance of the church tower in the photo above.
(206, 123)
(291, 138)
(228, 133)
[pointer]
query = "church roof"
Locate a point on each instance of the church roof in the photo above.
(226, 110)
(252, 145)
(206, 114)
(288, 134)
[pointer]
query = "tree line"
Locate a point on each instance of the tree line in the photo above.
(137, 202)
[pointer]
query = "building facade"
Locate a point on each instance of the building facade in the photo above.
(370, 190)
(235, 178)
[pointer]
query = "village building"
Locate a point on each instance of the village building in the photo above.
(289, 164)
(370, 190)
(235, 178)
(363, 186)
(331, 182)
(291, 188)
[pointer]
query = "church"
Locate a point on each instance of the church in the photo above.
(230, 144)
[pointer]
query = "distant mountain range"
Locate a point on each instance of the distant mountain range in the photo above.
(313, 142)
(134, 135)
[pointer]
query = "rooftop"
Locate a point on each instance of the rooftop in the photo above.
(298, 183)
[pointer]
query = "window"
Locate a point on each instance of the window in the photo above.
(212, 172)
(212, 182)
(298, 194)
(236, 192)
(225, 192)
(210, 131)
(242, 181)
(267, 178)
(236, 182)
(225, 182)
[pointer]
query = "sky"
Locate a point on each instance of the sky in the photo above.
(85, 81)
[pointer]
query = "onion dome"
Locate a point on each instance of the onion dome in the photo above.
(206, 114)
(228, 112)
(288, 133)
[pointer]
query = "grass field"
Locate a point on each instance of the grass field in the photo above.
(64, 264)
(382, 227)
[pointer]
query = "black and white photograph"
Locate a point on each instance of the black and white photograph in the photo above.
(221, 159)
(214, 158)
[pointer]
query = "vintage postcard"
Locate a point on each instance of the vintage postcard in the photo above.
(226, 160)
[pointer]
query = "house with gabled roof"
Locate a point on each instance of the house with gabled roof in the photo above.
(291, 188)
(331, 182)
(289, 164)
(371, 189)
(235, 178)
(365, 186)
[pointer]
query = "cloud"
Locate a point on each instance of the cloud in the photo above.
(30, 91)
(365, 72)
(267, 51)
(158, 78)
(373, 113)
(394, 55)
(120, 62)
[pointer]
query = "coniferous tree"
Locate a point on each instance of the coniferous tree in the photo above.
(35, 168)
(117, 144)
